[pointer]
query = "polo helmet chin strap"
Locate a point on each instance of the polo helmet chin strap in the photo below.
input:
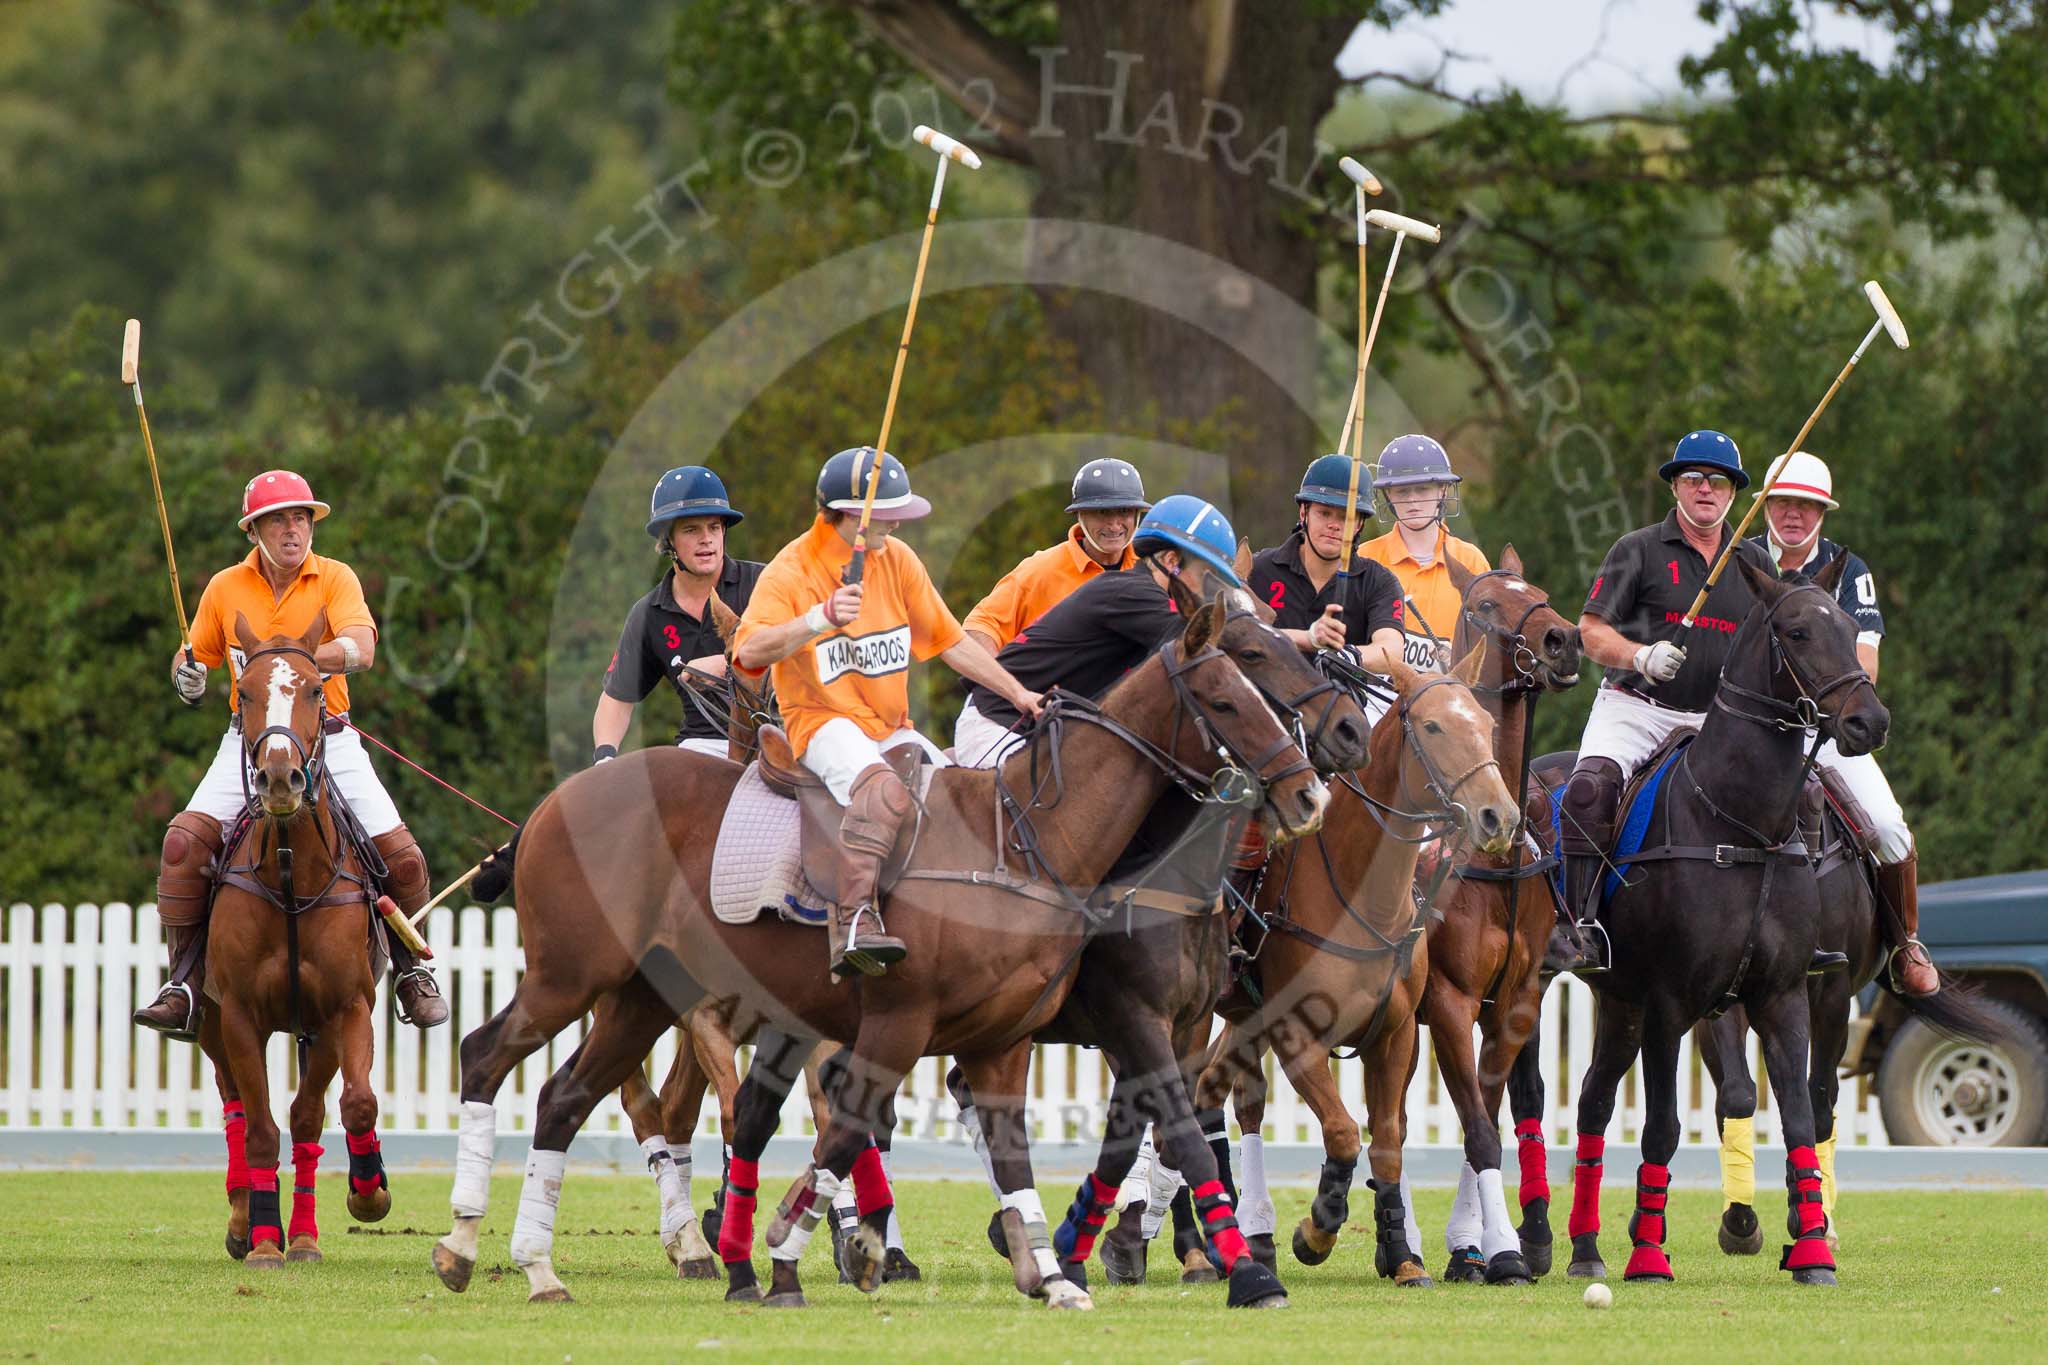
(1696, 524)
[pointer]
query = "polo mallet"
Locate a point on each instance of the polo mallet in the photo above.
(1364, 182)
(408, 928)
(1888, 320)
(1403, 228)
(131, 361)
(949, 149)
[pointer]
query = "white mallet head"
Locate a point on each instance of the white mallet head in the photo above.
(131, 349)
(947, 146)
(1362, 177)
(1412, 227)
(1886, 314)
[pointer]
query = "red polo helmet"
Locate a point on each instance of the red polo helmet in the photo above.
(275, 489)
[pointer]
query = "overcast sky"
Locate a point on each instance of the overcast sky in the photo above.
(1594, 54)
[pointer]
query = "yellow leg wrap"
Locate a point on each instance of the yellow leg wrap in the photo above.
(1738, 1161)
(1826, 1152)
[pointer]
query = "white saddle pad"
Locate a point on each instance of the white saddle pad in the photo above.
(757, 864)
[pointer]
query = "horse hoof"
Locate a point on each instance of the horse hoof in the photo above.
(1260, 1244)
(265, 1256)
(1411, 1276)
(1067, 1295)
(1195, 1268)
(1741, 1234)
(1587, 1270)
(745, 1293)
(552, 1294)
(1076, 1273)
(1466, 1266)
(864, 1256)
(371, 1207)
(897, 1266)
(453, 1269)
(793, 1299)
(1537, 1255)
(1814, 1274)
(303, 1251)
(705, 1269)
(1509, 1267)
(1255, 1286)
(1122, 1264)
(1305, 1251)
(238, 1247)
(1586, 1263)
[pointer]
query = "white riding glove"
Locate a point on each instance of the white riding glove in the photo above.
(1660, 662)
(189, 678)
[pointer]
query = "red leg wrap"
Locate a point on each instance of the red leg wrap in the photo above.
(263, 1206)
(1100, 1198)
(235, 1127)
(1219, 1221)
(1802, 1178)
(870, 1186)
(305, 1179)
(1586, 1185)
(1646, 1225)
(1535, 1168)
(365, 1175)
(742, 1191)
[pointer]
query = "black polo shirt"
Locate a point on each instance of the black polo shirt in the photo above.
(660, 637)
(1857, 592)
(1372, 595)
(1645, 585)
(1091, 638)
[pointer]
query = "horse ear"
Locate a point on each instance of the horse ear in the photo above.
(1461, 577)
(1830, 578)
(1509, 560)
(1402, 676)
(245, 636)
(723, 621)
(1467, 669)
(1205, 626)
(316, 631)
(1765, 584)
(1243, 562)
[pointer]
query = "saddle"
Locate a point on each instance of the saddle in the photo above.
(1632, 826)
(820, 815)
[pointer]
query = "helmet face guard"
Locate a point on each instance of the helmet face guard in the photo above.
(1449, 504)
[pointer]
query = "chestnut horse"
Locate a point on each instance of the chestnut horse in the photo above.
(628, 845)
(289, 952)
(1344, 962)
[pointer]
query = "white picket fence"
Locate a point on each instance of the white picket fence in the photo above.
(70, 977)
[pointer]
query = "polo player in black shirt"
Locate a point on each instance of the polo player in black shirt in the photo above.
(669, 632)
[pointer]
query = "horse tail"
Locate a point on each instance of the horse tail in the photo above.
(1954, 1011)
(496, 877)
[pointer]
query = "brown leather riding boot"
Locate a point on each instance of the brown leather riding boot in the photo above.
(419, 998)
(184, 886)
(874, 814)
(1912, 969)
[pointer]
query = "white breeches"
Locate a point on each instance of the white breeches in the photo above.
(717, 748)
(842, 751)
(220, 792)
(979, 742)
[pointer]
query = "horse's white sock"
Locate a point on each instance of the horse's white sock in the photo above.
(894, 1237)
(1166, 1184)
(970, 1124)
(475, 1144)
(1255, 1212)
(1499, 1234)
(533, 1232)
(826, 1185)
(1461, 1229)
(1414, 1229)
(1026, 1203)
(1137, 1186)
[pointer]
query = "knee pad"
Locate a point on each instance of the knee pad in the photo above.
(184, 878)
(406, 867)
(874, 810)
(1590, 799)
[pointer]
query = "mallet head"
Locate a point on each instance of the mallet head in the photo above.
(1412, 227)
(1888, 315)
(1360, 176)
(131, 349)
(947, 146)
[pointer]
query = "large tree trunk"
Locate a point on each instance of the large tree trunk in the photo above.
(1191, 121)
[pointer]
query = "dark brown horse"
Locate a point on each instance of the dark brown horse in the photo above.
(1344, 963)
(988, 905)
(1495, 915)
(289, 952)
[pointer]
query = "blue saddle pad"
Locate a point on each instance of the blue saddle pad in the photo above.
(1635, 827)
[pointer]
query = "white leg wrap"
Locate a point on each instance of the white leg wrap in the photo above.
(1028, 1206)
(1499, 1234)
(668, 1184)
(533, 1232)
(1166, 1184)
(1137, 1186)
(1461, 1230)
(679, 1157)
(475, 1144)
(894, 1236)
(970, 1123)
(1414, 1230)
(1255, 1212)
(792, 1249)
(844, 1200)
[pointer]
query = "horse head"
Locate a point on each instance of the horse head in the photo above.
(281, 707)
(1538, 645)
(1447, 751)
(1814, 668)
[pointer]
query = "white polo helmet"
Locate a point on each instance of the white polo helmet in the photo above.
(1800, 475)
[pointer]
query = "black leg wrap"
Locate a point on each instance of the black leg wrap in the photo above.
(1333, 1196)
(1390, 1229)
(1216, 1132)
(1187, 1233)
(995, 1235)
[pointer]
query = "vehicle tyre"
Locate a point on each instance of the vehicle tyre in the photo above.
(1936, 1091)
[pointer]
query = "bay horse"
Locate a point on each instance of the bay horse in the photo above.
(628, 845)
(1344, 961)
(288, 951)
(1494, 915)
(1726, 911)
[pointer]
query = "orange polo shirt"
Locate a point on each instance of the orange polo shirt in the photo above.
(861, 670)
(1430, 592)
(1038, 584)
(322, 583)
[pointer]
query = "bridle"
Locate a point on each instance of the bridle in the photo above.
(309, 757)
(1513, 640)
(1805, 712)
(1443, 789)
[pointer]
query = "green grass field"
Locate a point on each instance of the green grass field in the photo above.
(112, 1267)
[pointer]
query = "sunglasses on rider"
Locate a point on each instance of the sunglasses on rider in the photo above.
(1692, 480)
